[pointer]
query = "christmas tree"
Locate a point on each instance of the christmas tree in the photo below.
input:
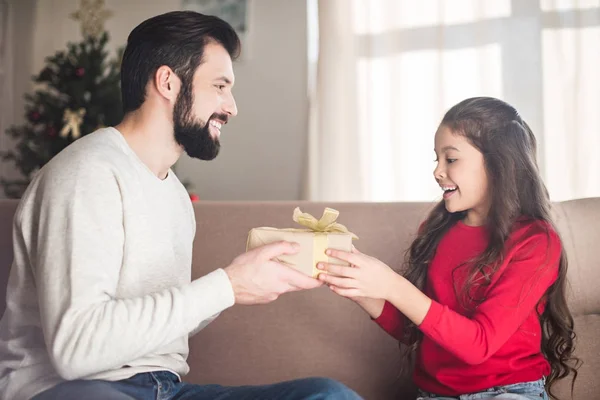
(76, 93)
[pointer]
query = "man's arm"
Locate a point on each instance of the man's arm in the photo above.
(74, 240)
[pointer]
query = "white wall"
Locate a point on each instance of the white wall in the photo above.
(17, 78)
(263, 148)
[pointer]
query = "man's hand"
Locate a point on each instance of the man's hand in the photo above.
(257, 279)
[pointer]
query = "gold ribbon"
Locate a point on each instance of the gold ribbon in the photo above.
(325, 225)
(321, 227)
(73, 120)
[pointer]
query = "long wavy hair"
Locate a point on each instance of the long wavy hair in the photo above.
(509, 150)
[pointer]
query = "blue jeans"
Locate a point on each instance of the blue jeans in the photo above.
(519, 391)
(164, 385)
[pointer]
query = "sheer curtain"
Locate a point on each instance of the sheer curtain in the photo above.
(387, 71)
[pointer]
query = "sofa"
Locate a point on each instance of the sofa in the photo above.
(316, 333)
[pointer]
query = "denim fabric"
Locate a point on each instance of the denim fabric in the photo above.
(519, 391)
(166, 386)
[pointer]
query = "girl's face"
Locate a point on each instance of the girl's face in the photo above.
(461, 174)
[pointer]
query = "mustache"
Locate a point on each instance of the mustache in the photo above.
(224, 118)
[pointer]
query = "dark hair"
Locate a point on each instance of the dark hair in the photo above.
(509, 149)
(175, 39)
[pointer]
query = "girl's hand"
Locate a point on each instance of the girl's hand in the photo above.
(366, 277)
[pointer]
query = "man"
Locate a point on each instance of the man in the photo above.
(100, 303)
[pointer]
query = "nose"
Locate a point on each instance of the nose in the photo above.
(439, 173)
(230, 107)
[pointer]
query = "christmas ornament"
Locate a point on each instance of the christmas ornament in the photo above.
(35, 116)
(81, 75)
(73, 120)
(51, 131)
(92, 16)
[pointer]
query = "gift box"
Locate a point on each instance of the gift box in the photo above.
(317, 236)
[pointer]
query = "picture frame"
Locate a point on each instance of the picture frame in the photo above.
(235, 12)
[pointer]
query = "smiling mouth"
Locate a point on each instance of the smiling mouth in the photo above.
(217, 125)
(448, 190)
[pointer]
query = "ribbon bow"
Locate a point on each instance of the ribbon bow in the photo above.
(325, 224)
(73, 120)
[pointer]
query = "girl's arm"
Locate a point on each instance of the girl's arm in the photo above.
(382, 312)
(514, 296)
(388, 317)
(391, 320)
(373, 307)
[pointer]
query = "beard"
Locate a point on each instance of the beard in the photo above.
(191, 133)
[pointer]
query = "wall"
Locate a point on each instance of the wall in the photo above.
(17, 66)
(263, 148)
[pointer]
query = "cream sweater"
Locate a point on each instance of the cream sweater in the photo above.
(100, 287)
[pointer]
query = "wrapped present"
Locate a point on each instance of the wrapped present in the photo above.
(317, 236)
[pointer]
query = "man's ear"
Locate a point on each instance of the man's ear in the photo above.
(167, 83)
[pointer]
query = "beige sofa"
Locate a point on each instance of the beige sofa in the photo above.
(316, 333)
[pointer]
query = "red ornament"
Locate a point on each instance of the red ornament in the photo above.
(194, 197)
(35, 116)
(79, 72)
(51, 131)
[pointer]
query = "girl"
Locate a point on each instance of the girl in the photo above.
(482, 301)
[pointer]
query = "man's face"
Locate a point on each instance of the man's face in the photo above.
(204, 105)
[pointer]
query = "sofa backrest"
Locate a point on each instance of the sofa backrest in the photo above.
(316, 333)
(576, 221)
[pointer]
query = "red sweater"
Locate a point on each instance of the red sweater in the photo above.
(466, 350)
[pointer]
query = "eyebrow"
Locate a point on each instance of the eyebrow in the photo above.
(224, 79)
(446, 148)
(449, 148)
